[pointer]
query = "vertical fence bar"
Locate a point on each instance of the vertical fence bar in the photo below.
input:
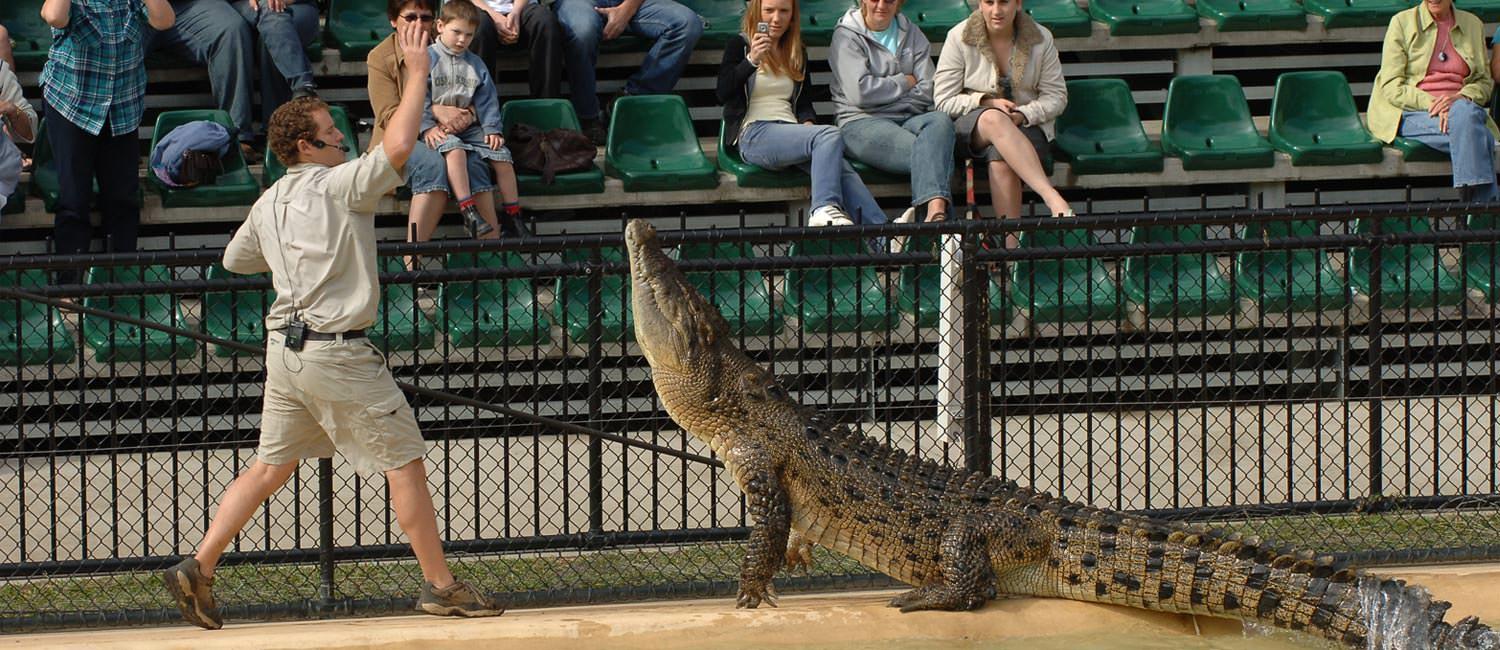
(1374, 336)
(596, 379)
(325, 534)
(976, 357)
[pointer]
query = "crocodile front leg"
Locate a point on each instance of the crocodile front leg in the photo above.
(770, 524)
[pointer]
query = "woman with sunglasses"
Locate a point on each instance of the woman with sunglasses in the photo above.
(1000, 79)
(882, 86)
(426, 173)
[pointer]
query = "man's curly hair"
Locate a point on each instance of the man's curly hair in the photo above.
(291, 122)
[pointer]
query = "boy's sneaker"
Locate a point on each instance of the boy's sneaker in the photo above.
(828, 215)
(477, 225)
(194, 594)
(457, 599)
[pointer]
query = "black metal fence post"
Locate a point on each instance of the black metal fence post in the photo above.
(976, 354)
(325, 534)
(596, 379)
(1374, 335)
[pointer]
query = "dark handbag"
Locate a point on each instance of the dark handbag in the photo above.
(199, 168)
(550, 153)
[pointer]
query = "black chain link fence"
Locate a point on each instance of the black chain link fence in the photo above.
(1324, 377)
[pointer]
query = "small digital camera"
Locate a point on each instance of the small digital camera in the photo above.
(762, 28)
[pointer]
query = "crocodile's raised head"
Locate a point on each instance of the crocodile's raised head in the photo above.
(705, 382)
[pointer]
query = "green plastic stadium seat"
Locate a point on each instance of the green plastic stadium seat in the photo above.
(31, 332)
(1183, 285)
(921, 287)
(275, 170)
(1288, 280)
(935, 17)
(116, 341)
(1067, 290)
(233, 187)
(741, 296)
(652, 146)
(1144, 17)
(1064, 18)
(1104, 135)
(749, 175)
(572, 300)
(1414, 151)
(32, 36)
(721, 19)
(492, 313)
(1482, 260)
(1314, 119)
(1411, 275)
(1487, 10)
(356, 26)
(839, 298)
(548, 114)
(238, 316)
(820, 17)
(399, 321)
(1253, 15)
(1208, 125)
(1355, 13)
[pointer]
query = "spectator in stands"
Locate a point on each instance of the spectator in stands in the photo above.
(1432, 87)
(6, 53)
(459, 79)
(532, 25)
(426, 173)
(327, 388)
(285, 29)
(999, 78)
(17, 124)
(585, 23)
(94, 84)
(212, 33)
(882, 86)
(762, 74)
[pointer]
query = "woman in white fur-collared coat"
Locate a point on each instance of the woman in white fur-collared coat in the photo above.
(1000, 79)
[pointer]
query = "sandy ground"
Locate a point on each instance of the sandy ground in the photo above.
(827, 621)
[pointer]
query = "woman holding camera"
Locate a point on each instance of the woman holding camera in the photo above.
(768, 115)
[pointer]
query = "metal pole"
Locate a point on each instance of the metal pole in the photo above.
(976, 363)
(325, 533)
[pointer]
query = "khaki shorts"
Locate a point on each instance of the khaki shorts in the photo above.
(335, 395)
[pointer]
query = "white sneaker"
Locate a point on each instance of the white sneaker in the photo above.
(828, 215)
(898, 242)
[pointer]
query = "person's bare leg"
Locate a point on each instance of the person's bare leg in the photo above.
(485, 203)
(1005, 195)
(426, 209)
(240, 501)
(1007, 139)
(457, 162)
(505, 178)
(6, 54)
(413, 505)
(937, 209)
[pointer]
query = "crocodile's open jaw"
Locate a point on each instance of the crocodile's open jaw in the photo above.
(670, 317)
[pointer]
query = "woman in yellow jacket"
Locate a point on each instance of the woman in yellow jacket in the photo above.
(1433, 85)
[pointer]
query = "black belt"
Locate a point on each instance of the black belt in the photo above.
(324, 336)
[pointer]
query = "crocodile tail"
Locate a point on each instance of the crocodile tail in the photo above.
(1107, 557)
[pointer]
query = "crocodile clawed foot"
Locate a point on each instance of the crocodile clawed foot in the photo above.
(924, 598)
(751, 596)
(799, 553)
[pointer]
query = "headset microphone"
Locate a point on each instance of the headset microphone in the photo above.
(321, 144)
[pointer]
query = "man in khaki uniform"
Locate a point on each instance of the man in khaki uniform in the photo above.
(327, 387)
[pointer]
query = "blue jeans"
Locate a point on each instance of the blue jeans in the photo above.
(1468, 142)
(427, 172)
(818, 150)
(674, 28)
(921, 146)
(212, 33)
(284, 37)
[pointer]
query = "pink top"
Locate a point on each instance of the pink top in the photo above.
(1446, 70)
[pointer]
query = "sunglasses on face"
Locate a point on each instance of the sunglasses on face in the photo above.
(411, 18)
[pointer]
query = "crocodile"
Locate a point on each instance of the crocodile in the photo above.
(962, 538)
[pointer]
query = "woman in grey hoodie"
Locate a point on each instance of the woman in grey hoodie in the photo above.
(882, 88)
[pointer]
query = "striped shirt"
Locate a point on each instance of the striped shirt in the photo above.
(96, 68)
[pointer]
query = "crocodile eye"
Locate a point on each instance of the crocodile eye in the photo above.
(776, 392)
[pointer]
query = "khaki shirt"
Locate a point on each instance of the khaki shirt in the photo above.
(314, 230)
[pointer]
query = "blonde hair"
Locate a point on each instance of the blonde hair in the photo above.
(786, 58)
